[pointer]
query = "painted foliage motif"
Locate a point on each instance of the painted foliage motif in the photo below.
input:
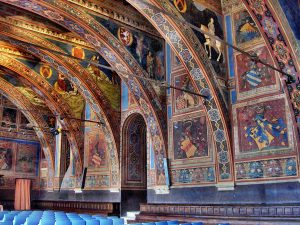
(27, 158)
(262, 126)
(97, 149)
(193, 176)
(184, 101)
(245, 29)
(255, 77)
(266, 168)
(190, 138)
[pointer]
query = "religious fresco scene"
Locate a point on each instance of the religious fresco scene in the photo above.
(161, 112)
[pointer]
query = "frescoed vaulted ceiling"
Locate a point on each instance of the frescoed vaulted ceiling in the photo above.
(50, 53)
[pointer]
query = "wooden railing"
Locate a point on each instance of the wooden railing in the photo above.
(78, 206)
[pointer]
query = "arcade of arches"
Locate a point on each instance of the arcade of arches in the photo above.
(211, 133)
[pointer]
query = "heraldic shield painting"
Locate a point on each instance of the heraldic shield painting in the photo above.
(255, 78)
(190, 138)
(263, 127)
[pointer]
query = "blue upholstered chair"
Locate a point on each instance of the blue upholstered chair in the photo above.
(8, 217)
(173, 222)
(106, 222)
(78, 222)
(197, 223)
(63, 222)
(20, 219)
(149, 223)
(161, 223)
(6, 223)
(118, 221)
(92, 222)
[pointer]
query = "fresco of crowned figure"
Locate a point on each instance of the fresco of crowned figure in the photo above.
(71, 95)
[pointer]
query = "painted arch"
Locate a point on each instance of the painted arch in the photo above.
(56, 104)
(24, 104)
(191, 53)
(115, 54)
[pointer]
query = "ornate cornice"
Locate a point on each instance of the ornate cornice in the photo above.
(9, 50)
(38, 28)
(115, 10)
(229, 6)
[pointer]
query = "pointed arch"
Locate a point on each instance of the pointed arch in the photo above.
(191, 53)
(34, 118)
(279, 44)
(118, 57)
(55, 102)
(81, 73)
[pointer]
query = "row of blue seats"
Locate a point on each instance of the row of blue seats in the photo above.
(62, 218)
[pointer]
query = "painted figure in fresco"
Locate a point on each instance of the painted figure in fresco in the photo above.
(9, 118)
(186, 100)
(60, 85)
(139, 47)
(6, 120)
(70, 94)
(98, 75)
(150, 64)
(211, 27)
(210, 41)
(5, 159)
(159, 68)
(265, 131)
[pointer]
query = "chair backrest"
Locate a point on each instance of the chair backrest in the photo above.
(106, 222)
(197, 223)
(161, 223)
(172, 222)
(9, 217)
(78, 221)
(63, 222)
(149, 223)
(92, 222)
(119, 221)
(6, 223)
